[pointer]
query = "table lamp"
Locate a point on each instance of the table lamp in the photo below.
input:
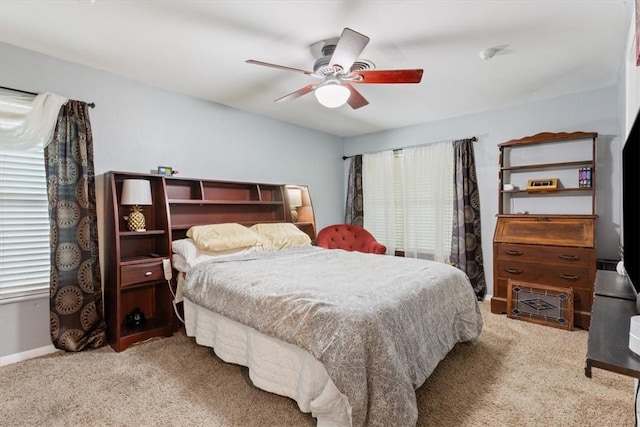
(295, 200)
(136, 192)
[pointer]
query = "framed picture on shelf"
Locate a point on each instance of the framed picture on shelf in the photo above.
(165, 170)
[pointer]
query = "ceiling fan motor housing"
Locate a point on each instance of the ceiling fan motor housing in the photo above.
(322, 66)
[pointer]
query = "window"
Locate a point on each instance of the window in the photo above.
(417, 183)
(24, 216)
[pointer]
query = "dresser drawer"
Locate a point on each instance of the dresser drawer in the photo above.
(557, 275)
(560, 255)
(140, 273)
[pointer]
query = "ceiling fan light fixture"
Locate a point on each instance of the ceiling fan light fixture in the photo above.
(332, 94)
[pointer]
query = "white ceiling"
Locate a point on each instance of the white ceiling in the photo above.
(199, 48)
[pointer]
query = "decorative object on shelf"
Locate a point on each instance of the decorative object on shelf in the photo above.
(166, 171)
(546, 184)
(508, 187)
(134, 318)
(136, 192)
(542, 304)
(295, 201)
(584, 177)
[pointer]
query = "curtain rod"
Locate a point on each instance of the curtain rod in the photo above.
(90, 104)
(473, 139)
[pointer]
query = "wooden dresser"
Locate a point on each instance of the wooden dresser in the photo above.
(557, 250)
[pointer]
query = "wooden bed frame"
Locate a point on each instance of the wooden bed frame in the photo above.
(136, 280)
(134, 274)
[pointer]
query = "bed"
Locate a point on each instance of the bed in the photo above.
(349, 336)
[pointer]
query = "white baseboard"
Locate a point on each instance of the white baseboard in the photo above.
(26, 355)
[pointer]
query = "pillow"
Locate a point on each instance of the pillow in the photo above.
(180, 263)
(187, 254)
(281, 235)
(223, 237)
(184, 247)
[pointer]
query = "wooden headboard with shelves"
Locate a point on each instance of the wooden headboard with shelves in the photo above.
(134, 274)
(180, 203)
(196, 202)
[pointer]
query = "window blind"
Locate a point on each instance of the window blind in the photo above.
(428, 182)
(398, 195)
(24, 225)
(24, 221)
(416, 185)
(378, 197)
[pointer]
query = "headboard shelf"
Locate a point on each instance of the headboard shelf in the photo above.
(245, 223)
(141, 233)
(222, 202)
(196, 189)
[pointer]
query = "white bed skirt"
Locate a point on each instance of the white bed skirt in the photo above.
(274, 365)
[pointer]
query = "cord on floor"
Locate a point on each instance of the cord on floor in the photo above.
(173, 301)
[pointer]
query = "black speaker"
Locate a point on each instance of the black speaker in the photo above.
(135, 318)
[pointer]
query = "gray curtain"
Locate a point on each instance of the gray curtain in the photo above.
(76, 317)
(354, 212)
(466, 248)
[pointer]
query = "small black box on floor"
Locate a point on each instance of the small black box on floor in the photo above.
(606, 264)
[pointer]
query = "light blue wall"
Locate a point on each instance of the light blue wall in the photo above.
(594, 111)
(137, 128)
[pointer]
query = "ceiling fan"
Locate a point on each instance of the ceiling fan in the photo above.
(339, 68)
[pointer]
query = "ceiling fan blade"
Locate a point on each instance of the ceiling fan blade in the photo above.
(349, 47)
(280, 67)
(297, 94)
(390, 76)
(356, 100)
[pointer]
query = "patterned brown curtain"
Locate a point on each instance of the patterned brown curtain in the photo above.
(77, 321)
(466, 247)
(354, 212)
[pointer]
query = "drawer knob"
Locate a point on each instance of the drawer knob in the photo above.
(512, 252)
(568, 277)
(570, 257)
(513, 270)
(148, 273)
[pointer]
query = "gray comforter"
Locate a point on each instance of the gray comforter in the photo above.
(379, 324)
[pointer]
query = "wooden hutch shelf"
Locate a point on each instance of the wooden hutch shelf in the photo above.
(553, 248)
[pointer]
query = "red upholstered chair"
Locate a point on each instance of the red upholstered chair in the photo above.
(350, 238)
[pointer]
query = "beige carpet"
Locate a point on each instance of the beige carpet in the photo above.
(518, 374)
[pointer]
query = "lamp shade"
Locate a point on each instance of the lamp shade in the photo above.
(332, 94)
(136, 192)
(295, 197)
